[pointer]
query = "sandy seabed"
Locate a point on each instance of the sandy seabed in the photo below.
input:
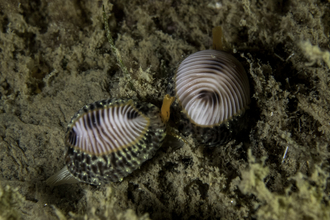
(55, 58)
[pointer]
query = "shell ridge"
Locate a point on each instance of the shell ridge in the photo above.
(98, 134)
(107, 130)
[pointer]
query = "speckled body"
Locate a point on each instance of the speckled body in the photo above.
(218, 133)
(101, 168)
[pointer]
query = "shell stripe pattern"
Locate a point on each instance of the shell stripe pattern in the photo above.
(109, 129)
(109, 139)
(212, 87)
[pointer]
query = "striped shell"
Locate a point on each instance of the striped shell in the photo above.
(109, 139)
(212, 91)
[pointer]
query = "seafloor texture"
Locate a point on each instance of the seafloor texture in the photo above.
(55, 58)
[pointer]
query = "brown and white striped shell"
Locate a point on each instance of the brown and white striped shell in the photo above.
(108, 140)
(212, 92)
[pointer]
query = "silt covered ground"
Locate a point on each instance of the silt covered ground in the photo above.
(55, 58)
